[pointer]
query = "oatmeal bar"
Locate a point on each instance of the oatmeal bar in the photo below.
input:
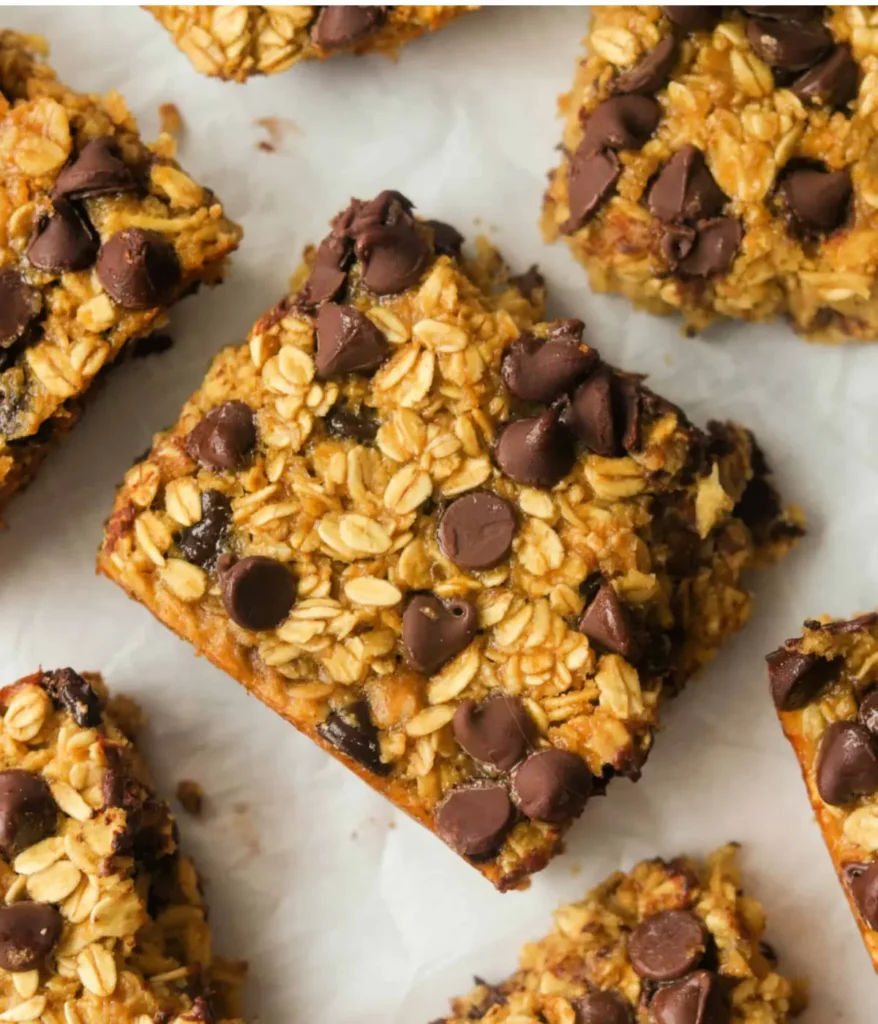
(236, 42)
(102, 919)
(719, 162)
(671, 942)
(824, 687)
(100, 235)
(445, 541)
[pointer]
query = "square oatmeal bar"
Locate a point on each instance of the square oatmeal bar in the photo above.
(445, 540)
(719, 162)
(101, 234)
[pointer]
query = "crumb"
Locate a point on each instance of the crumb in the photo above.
(191, 797)
(391, 824)
(245, 829)
(151, 345)
(277, 128)
(575, 870)
(170, 119)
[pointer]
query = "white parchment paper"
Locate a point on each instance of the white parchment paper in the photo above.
(348, 912)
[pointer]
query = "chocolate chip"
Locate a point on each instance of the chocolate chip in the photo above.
(338, 26)
(868, 711)
(667, 945)
(28, 933)
(495, 731)
(347, 342)
(702, 998)
(63, 241)
(20, 305)
(351, 730)
(792, 12)
(75, 695)
(606, 621)
(796, 678)
(477, 530)
(27, 811)
(393, 251)
(847, 763)
(832, 83)
(474, 819)
(447, 240)
(529, 283)
(536, 451)
(139, 269)
(864, 888)
(788, 45)
(590, 413)
(817, 201)
(97, 170)
(540, 369)
(652, 71)
(605, 1007)
(552, 785)
(151, 345)
(566, 330)
(713, 249)
(844, 627)
(434, 631)
(357, 423)
(703, 18)
(224, 437)
(328, 274)
(257, 592)
(591, 178)
(202, 542)
(685, 189)
(621, 122)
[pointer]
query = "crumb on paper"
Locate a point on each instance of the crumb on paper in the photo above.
(151, 345)
(245, 829)
(170, 119)
(191, 797)
(277, 129)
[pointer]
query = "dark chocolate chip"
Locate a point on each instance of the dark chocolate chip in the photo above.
(685, 189)
(699, 18)
(713, 249)
(63, 241)
(796, 678)
(447, 240)
(27, 811)
(552, 785)
(328, 273)
(864, 888)
(97, 170)
(139, 269)
(590, 413)
(792, 12)
(224, 437)
(356, 423)
(868, 711)
(257, 592)
(832, 83)
(202, 542)
(788, 45)
(843, 627)
(477, 530)
(351, 730)
(818, 201)
(388, 242)
(566, 330)
(347, 342)
(434, 631)
(529, 283)
(605, 1007)
(20, 305)
(606, 621)
(28, 933)
(702, 998)
(652, 71)
(847, 763)
(338, 26)
(541, 369)
(667, 945)
(474, 819)
(591, 178)
(537, 451)
(495, 731)
(75, 695)
(621, 122)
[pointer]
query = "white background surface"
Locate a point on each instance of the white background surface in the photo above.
(348, 912)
